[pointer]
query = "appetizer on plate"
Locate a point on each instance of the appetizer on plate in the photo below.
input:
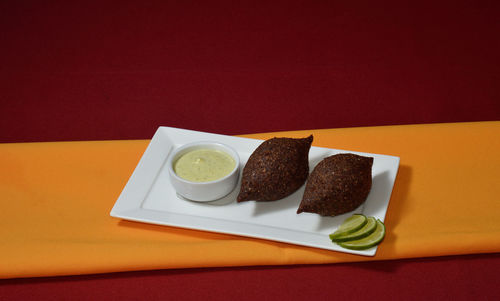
(338, 184)
(276, 169)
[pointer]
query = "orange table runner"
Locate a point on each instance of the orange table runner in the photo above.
(56, 198)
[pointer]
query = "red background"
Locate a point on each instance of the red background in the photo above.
(93, 70)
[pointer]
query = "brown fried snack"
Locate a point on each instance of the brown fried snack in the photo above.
(338, 184)
(276, 169)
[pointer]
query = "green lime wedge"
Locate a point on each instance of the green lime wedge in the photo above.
(367, 229)
(350, 225)
(366, 242)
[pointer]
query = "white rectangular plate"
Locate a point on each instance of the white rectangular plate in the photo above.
(149, 197)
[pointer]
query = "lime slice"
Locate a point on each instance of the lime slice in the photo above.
(366, 242)
(350, 225)
(367, 229)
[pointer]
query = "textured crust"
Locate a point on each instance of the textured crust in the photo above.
(338, 184)
(276, 169)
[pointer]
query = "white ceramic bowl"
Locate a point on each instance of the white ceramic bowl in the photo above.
(203, 191)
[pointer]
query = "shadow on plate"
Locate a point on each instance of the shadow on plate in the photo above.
(381, 187)
(291, 201)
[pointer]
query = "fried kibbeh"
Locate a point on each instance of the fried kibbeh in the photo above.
(276, 169)
(338, 184)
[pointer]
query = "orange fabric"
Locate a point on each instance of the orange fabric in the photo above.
(56, 199)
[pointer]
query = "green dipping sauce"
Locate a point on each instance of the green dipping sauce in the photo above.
(204, 165)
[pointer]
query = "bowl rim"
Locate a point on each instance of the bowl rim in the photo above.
(198, 145)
